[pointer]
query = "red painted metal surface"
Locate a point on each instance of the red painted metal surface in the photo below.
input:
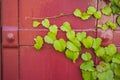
(10, 63)
(9, 46)
(21, 61)
(48, 64)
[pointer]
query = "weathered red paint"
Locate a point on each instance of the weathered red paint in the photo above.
(107, 36)
(116, 39)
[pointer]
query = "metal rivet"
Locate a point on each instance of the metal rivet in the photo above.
(10, 37)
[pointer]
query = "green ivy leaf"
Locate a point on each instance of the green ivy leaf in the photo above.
(111, 50)
(59, 45)
(89, 75)
(99, 25)
(88, 42)
(102, 67)
(76, 43)
(115, 9)
(117, 2)
(71, 35)
(107, 58)
(53, 29)
(46, 23)
(72, 55)
(72, 47)
(117, 70)
(105, 27)
(96, 43)
(50, 38)
(118, 20)
(91, 10)
(86, 56)
(77, 13)
(81, 35)
(116, 59)
(97, 15)
(116, 77)
(66, 27)
(104, 71)
(36, 23)
(85, 16)
(108, 75)
(107, 10)
(87, 66)
(111, 25)
(100, 52)
(38, 42)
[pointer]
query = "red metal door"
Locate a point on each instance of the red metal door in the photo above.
(20, 60)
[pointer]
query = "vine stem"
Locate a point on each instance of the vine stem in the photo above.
(50, 17)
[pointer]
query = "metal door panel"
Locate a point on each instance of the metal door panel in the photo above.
(46, 64)
(9, 17)
(10, 63)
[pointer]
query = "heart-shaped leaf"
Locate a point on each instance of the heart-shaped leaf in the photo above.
(85, 16)
(76, 43)
(46, 23)
(100, 52)
(111, 50)
(59, 45)
(107, 10)
(88, 42)
(72, 55)
(89, 75)
(87, 66)
(66, 27)
(81, 35)
(86, 56)
(77, 13)
(36, 23)
(53, 29)
(72, 47)
(71, 35)
(38, 42)
(91, 10)
(96, 43)
(50, 38)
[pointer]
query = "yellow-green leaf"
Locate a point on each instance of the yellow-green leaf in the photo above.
(36, 23)
(46, 23)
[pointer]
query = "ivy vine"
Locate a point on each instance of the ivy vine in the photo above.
(109, 66)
